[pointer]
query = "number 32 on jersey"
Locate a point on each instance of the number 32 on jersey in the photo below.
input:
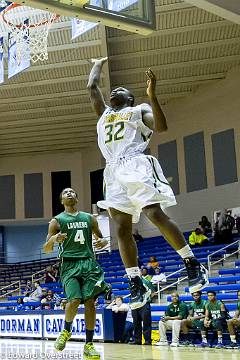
(114, 132)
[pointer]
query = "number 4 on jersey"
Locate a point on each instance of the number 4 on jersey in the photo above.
(79, 237)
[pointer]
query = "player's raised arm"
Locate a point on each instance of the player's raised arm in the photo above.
(53, 236)
(153, 116)
(96, 95)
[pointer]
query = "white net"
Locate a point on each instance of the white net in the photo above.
(30, 28)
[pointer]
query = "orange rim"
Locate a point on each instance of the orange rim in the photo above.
(19, 26)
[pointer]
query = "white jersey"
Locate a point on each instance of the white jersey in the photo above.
(122, 134)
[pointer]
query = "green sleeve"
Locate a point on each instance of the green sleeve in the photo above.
(183, 310)
(168, 311)
(238, 306)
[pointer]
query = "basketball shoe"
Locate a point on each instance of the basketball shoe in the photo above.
(197, 274)
(90, 352)
(139, 293)
(61, 341)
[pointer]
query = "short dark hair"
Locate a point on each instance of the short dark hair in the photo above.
(60, 196)
(197, 292)
(37, 282)
(119, 297)
(212, 292)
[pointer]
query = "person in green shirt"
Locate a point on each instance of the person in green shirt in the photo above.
(81, 275)
(215, 318)
(175, 313)
(234, 324)
(195, 317)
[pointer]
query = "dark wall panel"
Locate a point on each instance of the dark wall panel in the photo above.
(60, 181)
(224, 157)
(96, 179)
(33, 195)
(167, 156)
(7, 196)
(195, 162)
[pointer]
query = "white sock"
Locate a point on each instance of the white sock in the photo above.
(204, 338)
(132, 272)
(233, 338)
(185, 252)
(219, 339)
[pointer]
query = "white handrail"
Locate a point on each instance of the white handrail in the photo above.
(178, 281)
(38, 272)
(11, 291)
(225, 256)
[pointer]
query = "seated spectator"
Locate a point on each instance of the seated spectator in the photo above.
(36, 295)
(233, 325)
(117, 305)
(224, 227)
(20, 305)
(145, 274)
(56, 299)
(215, 318)
(197, 238)
(205, 225)
(158, 277)
(152, 264)
(137, 237)
(50, 275)
(29, 288)
(175, 313)
(195, 319)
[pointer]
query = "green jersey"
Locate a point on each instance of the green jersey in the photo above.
(78, 228)
(198, 309)
(214, 309)
(180, 309)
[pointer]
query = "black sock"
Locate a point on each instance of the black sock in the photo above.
(89, 336)
(68, 326)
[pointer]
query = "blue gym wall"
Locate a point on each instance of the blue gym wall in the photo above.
(23, 243)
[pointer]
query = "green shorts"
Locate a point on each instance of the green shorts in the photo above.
(197, 324)
(82, 278)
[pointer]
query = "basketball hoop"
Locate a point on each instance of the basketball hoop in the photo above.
(29, 28)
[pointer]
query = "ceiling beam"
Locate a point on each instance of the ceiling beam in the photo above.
(184, 64)
(178, 48)
(227, 9)
(175, 30)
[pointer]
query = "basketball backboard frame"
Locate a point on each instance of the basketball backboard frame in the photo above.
(80, 9)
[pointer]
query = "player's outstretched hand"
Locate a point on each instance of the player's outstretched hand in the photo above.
(151, 83)
(101, 243)
(99, 61)
(60, 237)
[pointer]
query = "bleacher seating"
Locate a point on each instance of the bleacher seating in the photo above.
(170, 262)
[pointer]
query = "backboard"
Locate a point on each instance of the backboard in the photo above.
(131, 15)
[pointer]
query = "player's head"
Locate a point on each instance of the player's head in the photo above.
(68, 197)
(121, 96)
(175, 297)
(211, 295)
(197, 295)
(119, 300)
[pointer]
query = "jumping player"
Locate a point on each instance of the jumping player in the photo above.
(135, 182)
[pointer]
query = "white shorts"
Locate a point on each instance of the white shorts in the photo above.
(135, 183)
